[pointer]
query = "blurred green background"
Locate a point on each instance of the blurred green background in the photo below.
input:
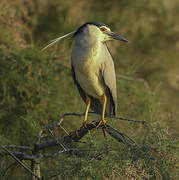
(37, 87)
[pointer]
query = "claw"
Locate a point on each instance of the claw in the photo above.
(101, 123)
(84, 124)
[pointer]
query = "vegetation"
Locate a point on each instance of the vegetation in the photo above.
(36, 87)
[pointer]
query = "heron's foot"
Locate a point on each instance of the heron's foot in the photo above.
(84, 124)
(101, 123)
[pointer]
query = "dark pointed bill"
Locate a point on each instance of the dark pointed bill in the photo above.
(116, 36)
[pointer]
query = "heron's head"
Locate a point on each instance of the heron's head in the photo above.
(89, 33)
(97, 31)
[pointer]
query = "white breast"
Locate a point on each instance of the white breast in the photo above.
(86, 63)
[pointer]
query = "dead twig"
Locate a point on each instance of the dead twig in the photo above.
(10, 166)
(57, 124)
(20, 155)
(120, 136)
(20, 162)
(126, 119)
(18, 147)
(72, 137)
(82, 114)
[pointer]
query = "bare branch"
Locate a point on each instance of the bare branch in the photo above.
(82, 114)
(20, 155)
(20, 162)
(77, 135)
(57, 124)
(119, 136)
(18, 147)
(126, 119)
(73, 137)
(61, 119)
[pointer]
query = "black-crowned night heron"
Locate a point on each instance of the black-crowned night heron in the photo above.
(93, 68)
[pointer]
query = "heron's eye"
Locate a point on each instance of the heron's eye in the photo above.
(103, 29)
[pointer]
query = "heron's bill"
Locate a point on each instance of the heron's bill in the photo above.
(116, 36)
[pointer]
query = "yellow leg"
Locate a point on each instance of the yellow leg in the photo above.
(104, 109)
(88, 103)
(103, 121)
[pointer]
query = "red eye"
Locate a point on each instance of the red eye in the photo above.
(102, 29)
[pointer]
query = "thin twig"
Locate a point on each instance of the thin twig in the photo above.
(20, 162)
(18, 147)
(82, 114)
(120, 136)
(65, 149)
(20, 155)
(75, 136)
(112, 117)
(10, 166)
(61, 119)
(57, 124)
(122, 118)
(126, 119)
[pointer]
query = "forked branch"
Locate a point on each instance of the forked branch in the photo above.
(35, 156)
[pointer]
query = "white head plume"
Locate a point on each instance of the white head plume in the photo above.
(52, 42)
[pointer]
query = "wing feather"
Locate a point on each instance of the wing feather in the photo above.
(109, 77)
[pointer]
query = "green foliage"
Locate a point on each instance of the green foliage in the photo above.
(36, 87)
(154, 158)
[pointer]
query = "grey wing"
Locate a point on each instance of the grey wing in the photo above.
(82, 93)
(109, 77)
(95, 104)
